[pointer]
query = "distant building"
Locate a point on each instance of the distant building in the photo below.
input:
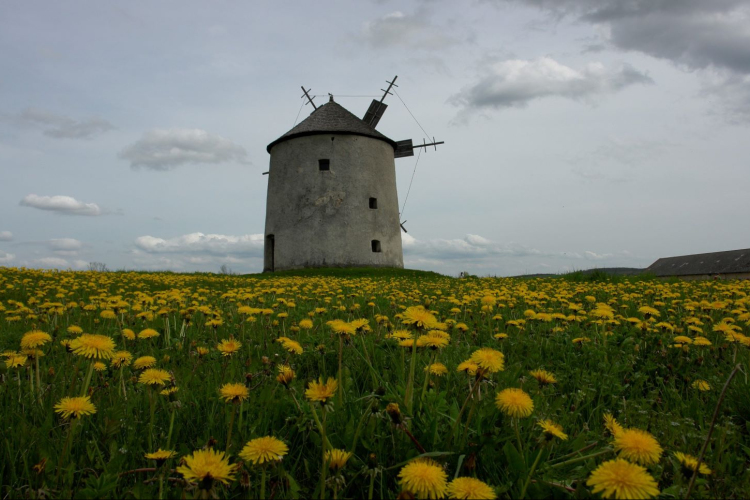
(734, 264)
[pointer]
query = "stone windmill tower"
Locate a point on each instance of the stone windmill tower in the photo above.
(332, 198)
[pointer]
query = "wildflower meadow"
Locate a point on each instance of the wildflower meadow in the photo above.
(371, 384)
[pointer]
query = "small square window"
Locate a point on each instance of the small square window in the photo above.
(324, 165)
(376, 246)
(373, 203)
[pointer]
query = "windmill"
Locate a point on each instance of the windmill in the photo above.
(332, 199)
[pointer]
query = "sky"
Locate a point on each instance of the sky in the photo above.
(578, 133)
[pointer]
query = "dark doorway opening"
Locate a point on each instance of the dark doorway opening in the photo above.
(373, 203)
(269, 252)
(376, 246)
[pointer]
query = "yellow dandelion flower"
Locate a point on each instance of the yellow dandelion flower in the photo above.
(144, 362)
(169, 391)
(205, 467)
(438, 369)
(621, 479)
(74, 330)
(552, 429)
(611, 424)
(321, 392)
(34, 339)
(501, 336)
(701, 341)
(202, 351)
(689, 463)
(95, 346)
(227, 347)
(488, 360)
(701, 385)
(264, 449)
(336, 459)
(468, 366)
(148, 333)
(466, 488)
(108, 314)
(637, 446)
(306, 324)
(121, 358)
(419, 317)
(99, 366)
(160, 456)
(15, 361)
(128, 334)
(543, 377)
(75, 407)
(424, 478)
(514, 403)
(286, 375)
(154, 376)
(394, 412)
(234, 393)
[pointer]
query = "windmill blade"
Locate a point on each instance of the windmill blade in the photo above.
(404, 149)
(374, 113)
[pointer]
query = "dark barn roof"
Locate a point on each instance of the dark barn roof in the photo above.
(332, 118)
(733, 261)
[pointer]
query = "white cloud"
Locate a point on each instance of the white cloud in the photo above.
(50, 263)
(6, 236)
(250, 245)
(412, 31)
(61, 126)
(516, 82)
(6, 258)
(65, 244)
(166, 149)
(65, 205)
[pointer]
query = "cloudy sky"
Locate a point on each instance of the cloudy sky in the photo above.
(579, 133)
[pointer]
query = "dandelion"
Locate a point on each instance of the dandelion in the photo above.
(75, 407)
(290, 345)
(234, 393)
(74, 330)
(34, 339)
(285, 376)
(128, 334)
(227, 347)
(466, 488)
(144, 362)
(514, 403)
(337, 459)
(148, 333)
(154, 376)
(701, 385)
(543, 377)
(552, 429)
(206, 466)
(99, 366)
(468, 366)
(15, 361)
(169, 391)
(611, 424)
(264, 449)
(393, 411)
(121, 358)
(306, 324)
(94, 346)
(621, 479)
(202, 351)
(424, 478)
(160, 456)
(108, 314)
(419, 317)
(321, 392)
(488, 360)
(638, 446)
(690, 463)
(438, 369)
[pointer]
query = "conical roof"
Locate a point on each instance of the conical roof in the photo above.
(332, 118)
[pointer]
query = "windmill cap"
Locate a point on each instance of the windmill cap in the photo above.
(332, 118)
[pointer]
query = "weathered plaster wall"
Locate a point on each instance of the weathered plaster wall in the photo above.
(322, 218)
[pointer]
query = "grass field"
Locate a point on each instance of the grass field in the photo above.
(627, 375)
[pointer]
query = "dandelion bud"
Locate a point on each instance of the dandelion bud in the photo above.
(394, 412)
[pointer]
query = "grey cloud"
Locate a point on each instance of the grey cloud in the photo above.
(167, 149)
(250, 245)
(405, 30)
(696, 34)
(64, 205)
(61, 126)
(6, 236)
(6, 258)
(470, 247)
(516, 82)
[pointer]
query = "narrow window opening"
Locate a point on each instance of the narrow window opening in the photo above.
(269, 257)
(373, 203)
(376, 246)
(324, 165)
